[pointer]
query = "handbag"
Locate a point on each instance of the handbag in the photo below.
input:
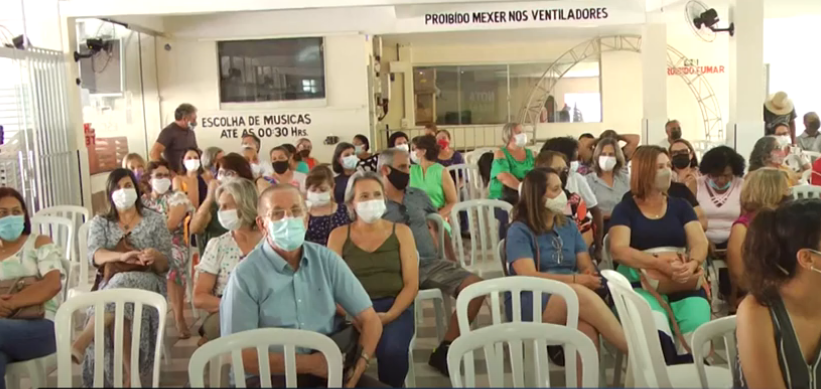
(14, 286)
(109, 269)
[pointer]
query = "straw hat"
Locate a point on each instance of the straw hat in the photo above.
(779, 104)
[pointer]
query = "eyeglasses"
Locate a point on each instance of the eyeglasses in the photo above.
(403, 210)
(557, 248)
(279, 214)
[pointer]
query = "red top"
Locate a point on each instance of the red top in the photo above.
(744, 219)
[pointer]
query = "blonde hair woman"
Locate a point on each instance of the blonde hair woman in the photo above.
(764, 188)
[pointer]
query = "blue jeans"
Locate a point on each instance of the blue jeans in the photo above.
(21, 340)
(392, 350)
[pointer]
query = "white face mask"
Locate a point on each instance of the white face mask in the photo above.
(574, 166)
(229, 219)
(784, 140)
(370, 211)
(224, 178)
(160, 185)
(520, 139)
(318, 199)
(191, 164)
(124, 198)
(557, 204)
(350, 162)
(607, 163)
(414, 157)
(403, 147)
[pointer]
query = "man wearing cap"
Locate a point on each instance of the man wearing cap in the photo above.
(779, 109)
(809, 139)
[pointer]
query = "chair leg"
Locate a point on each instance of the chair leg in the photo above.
(438, 308)
(410, 379)
(619, 366)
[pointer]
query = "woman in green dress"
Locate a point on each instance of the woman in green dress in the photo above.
(510, 165)
(429, 175)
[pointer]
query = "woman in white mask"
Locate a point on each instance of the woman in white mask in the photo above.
(399, 140)
(174, 206)
(237, 201)
(609, 180)
(194, 178)
(510, 164)
(794, 159)
(344, 165)
(127, 233)
(325, 214)
(660, 247)
(771, 151)
(382, 255)
(542, 242)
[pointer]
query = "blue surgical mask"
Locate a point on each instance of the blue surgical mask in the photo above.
(716, 187)
(288, 233)
(357, 150)
(11, 227)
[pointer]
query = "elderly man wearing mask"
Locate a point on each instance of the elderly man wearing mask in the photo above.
(809, 139)
(673, 130)
(304, 276)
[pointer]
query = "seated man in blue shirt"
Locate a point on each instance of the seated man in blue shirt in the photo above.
(411, 206)
(288, 283)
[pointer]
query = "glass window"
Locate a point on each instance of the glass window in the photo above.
(271, 70)
(583, 107)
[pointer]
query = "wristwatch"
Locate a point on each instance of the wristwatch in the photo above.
(367, 358)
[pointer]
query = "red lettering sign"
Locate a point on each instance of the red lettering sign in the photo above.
(695, 70)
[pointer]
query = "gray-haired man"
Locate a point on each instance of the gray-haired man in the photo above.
(411, 206)
(175, 139)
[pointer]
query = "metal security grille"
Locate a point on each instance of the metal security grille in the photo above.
(36, 156)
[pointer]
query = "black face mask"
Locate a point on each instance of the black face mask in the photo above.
(681, 161)
(281, 167)
(398, 179)
(305, 153)
(675, 133)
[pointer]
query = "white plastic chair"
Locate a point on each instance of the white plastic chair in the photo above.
(484, 240)
(262, 339)
(811, 155)
(725, 328)
(538, 335)
(515, 285)
(77, 214)
(37, 370)
(60, 229)
(81, 265)
(98, 299)
(646, 363)
(799, 192)
(472, 158)
(473, 188)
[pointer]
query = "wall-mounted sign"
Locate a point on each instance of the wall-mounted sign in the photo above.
(259, 125)
(224, 129)
(515, 15)
(691, 66)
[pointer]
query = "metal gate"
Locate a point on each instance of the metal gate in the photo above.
(36, 157)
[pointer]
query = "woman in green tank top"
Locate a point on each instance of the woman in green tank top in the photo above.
(510, 165)
(431, 177)
(382, 255)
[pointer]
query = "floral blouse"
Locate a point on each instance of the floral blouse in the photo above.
(150, 232)
(221, 256)
(179, 256)
(34, 262)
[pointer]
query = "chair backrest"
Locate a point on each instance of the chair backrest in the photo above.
(646, 359)
(262, 339)
(64, 327)
(514, 334)
(60, 229)
(606, 257)
(485, 239)
(805, 192)
(82, 259)
(472, 185)
(723, 327)
(515, 285)
(440, 228)
(77, 214)
(472, 158)
(811, 155)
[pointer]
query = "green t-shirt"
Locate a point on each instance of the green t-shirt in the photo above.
(508, 165)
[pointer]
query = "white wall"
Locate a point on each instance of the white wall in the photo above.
(794, 62)
(189, 72)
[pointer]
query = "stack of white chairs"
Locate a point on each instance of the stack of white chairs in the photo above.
(263, 340)
(64, 327)
(496, 290)
(646, 366)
